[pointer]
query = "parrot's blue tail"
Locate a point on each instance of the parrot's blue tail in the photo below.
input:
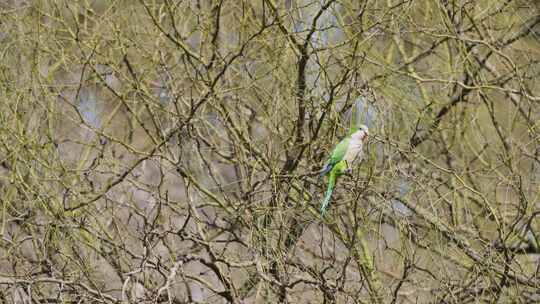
(327, 197)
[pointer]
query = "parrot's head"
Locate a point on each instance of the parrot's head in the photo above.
(361, 134)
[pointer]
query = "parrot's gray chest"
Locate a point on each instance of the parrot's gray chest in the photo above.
(354, 152)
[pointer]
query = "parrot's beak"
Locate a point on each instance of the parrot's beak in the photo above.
(364, 139)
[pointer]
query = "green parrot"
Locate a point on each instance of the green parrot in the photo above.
(348, 152)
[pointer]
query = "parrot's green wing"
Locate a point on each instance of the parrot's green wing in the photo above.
(339, 151)
(337, 155)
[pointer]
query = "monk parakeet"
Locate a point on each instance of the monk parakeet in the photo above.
(348, 152)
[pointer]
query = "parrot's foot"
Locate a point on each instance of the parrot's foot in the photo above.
(348, 172)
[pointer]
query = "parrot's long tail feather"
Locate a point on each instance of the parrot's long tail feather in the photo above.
(328, 195)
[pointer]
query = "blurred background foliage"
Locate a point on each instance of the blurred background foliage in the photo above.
(167, 151)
